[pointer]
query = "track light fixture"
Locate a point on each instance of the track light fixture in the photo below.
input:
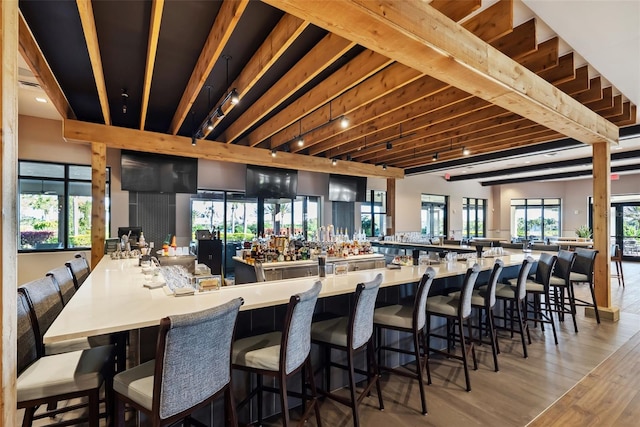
(219, 113)
(235, 98)
(465, 151)
(125, 97)
(344, 122)
(384, 166)
(389, 145)
(273, 153)
(300, 142)
(334, 161)
(435, 157)
(193, 140)
(209, 125)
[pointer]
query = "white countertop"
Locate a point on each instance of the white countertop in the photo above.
(113, 297)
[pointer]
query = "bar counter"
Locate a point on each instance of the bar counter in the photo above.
(113, 298)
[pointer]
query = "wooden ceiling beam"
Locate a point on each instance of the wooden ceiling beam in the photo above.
(456, 9)
(323, 54)
(605, 101)
(564, 72)
(285, 33)
(492, 23)
(615, 110)
(580, 82)
(376, 88)
(419, 36)
(593, 94)
(85, 10)
(32, 55)
(520, 42)
(157, 6)
(161, 143)
(299, 116)
(628, 116)
(223, 26)
(545, 57)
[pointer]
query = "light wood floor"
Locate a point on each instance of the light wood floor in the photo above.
(589, 378)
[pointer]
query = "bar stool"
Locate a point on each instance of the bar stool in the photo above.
(408, 319)
(515, 297)
(582, 272)
(560, 281)
(616, 258)
(80, 270)
(352, 334)
(192, 368)
(282, 354)
(64, 280)
(538, 287)
(455, 311)
(483, 300)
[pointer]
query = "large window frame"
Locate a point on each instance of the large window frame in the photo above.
(373, 213)
(474, 217)
(434, 215)
(536, 218)
(54, 206)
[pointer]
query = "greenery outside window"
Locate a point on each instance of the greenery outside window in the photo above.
(55, 206)
(433, 215)
(474, 217)
(373, 213)
(535, 219)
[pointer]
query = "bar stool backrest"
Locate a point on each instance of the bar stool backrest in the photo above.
(193, 357)
(296, 336)
(63, 278)
(498, 266)
(420, 304)
(361, 320)
(79, 270)
(470, 278)
(546, 262)
(45, 303)
(585, 258)
(564, 264)
(28, 348)
(521, 285)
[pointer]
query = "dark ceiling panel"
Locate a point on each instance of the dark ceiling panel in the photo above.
(184, 30)
(122, 29)
(57, 28)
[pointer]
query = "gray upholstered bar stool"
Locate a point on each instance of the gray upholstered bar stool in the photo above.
(408, 319)
(50, 379)
(562, 289)
(538, 287)
(352, 334)
(582, 272)
(484, 300)
(192, 368)
(282, 354)
(456, 311)
(515, 298)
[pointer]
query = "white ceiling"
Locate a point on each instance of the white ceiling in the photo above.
(603, 33)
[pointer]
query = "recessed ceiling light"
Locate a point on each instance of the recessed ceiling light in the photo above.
(39, 99)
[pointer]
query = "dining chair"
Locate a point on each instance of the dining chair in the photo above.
(456, 311)
(281, 355)
(513, 299)
(582, 272)
(562, 289)
(46, 380)
(412, 320)
(483, 300)
(191, 369)
(351, 334)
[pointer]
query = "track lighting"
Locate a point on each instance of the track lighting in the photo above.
(219, 113)
(334, 161)
(235, 99)
(344, 122)
(300, 142)
(435, 157)
(389, 145)
(384, 166)
(193, 140)
(209, 125)
(465, 151)
(125, 96)
(273, 153)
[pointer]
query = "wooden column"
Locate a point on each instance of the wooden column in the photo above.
(601, 208)
(98, 194)
(391, 207)
(8, 231)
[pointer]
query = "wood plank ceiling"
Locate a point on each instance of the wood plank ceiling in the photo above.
(418, 83)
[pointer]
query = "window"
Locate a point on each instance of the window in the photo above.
(55, 206)
(373, 213)
(473, 217)
(433, 215)
(535, 219)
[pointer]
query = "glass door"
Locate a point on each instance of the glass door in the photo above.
(625, 225)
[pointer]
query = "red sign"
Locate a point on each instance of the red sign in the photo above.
(615, 177)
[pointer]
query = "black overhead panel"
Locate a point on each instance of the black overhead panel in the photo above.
(256, 23)
(183, 32)
(123, 28)
(57, 27)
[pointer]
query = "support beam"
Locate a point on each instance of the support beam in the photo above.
(8, 228)
(152, 47)
(601, 207)
(161, 143)
(419, 36)
(391, 207)
(98, 195)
